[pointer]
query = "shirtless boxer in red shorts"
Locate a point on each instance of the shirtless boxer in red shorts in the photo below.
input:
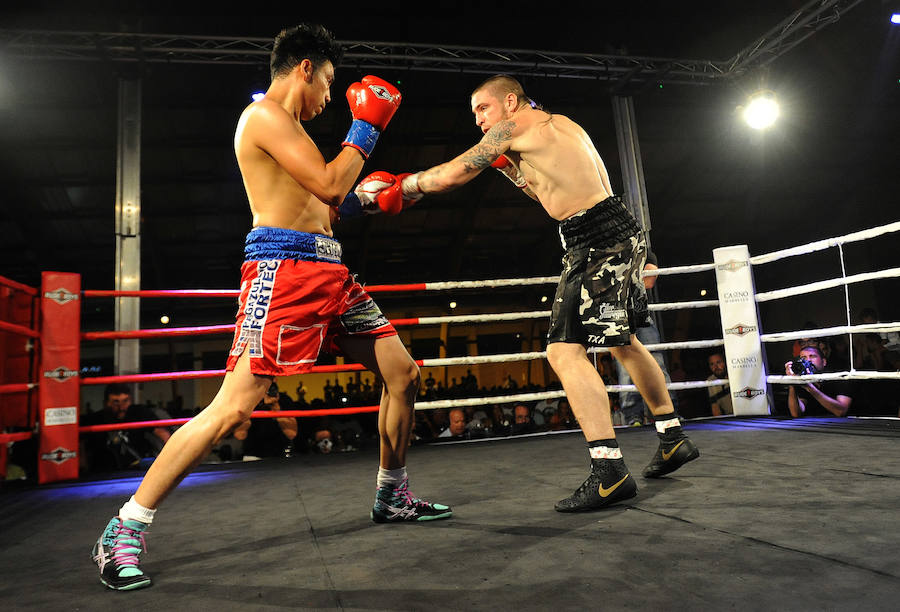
(296, 297)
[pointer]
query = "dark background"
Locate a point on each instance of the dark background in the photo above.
(828, 168)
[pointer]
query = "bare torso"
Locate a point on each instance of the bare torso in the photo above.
(276, 198)
(559, 162)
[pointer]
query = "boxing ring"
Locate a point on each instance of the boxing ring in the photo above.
(774, 510)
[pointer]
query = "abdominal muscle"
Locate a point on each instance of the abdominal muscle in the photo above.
(277, 200)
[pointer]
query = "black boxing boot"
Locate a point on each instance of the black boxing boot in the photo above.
(675, 448)
(608, 483)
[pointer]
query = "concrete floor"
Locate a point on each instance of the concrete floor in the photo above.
(775, 515)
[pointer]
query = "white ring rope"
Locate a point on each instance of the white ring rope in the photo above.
(679, 305)
(542, 314)
(665, 346)
(680, 270)
(831, 331)
(507, 357)
(824, 244)
(505, 282)
(527, 397)
(845, 375)
(827, 284)
(506, 316)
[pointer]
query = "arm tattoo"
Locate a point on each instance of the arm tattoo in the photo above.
(490, 148)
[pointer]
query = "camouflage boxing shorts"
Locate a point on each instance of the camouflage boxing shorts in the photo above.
(600, 299)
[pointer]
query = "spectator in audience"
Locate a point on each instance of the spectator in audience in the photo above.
(547, 409)
(120, 449)
(268, 437)
(566, 417)
(323, 441)
(822, 398)
(877, 351)
(720, 395)
(440, 418)
(523, 422)
(476, 420)
(501, 423)
(457, 426)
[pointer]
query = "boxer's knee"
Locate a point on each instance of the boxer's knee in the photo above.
(562, 356)
(403, 379)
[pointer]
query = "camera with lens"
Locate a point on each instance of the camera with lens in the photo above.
(801, 366)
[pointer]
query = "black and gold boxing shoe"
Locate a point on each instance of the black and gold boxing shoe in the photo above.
(608, 483)
(673, 452)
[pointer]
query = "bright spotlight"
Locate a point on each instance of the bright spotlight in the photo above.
(452, 304)
(895, 18)
(164, 319)
(761, 111)
(543, 299)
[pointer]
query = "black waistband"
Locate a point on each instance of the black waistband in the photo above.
(605, 224)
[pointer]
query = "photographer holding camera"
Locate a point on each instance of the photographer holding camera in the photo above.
(823, 398)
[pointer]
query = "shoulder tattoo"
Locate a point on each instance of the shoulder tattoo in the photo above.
(490, 148)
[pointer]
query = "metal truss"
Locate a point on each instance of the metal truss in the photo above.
(621, 69)
(796, 28)
(163, 48)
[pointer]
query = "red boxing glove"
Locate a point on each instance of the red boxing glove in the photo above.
(374, 101)
(505, 166)
(380, 192)
(501, 162)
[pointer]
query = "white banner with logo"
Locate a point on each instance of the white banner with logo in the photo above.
(740, 330)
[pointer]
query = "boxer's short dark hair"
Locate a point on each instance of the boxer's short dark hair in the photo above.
(304, 41)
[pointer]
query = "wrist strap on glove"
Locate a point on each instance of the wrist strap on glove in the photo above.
(362, 136)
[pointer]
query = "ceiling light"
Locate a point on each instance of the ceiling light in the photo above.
(761, 110)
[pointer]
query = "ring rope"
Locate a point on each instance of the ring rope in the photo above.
(845, 375)
(15, 437)
(353, 367)
(826, 284)
(19, 329)
(679, 270)
(541, 395)
(17, 388)
(162, 293)
(426, 405)
(831, 331)
(8, 282)
(472, 318)
(679, 305)
(159, 332)
(823, 244)
(665, 346)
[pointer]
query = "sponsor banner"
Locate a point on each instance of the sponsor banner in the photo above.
(740, 331)
(61, 296)
(61, 416)
(58, 456)
(59, 392)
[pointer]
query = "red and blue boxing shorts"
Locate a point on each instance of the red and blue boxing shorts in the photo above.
(297, 300)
